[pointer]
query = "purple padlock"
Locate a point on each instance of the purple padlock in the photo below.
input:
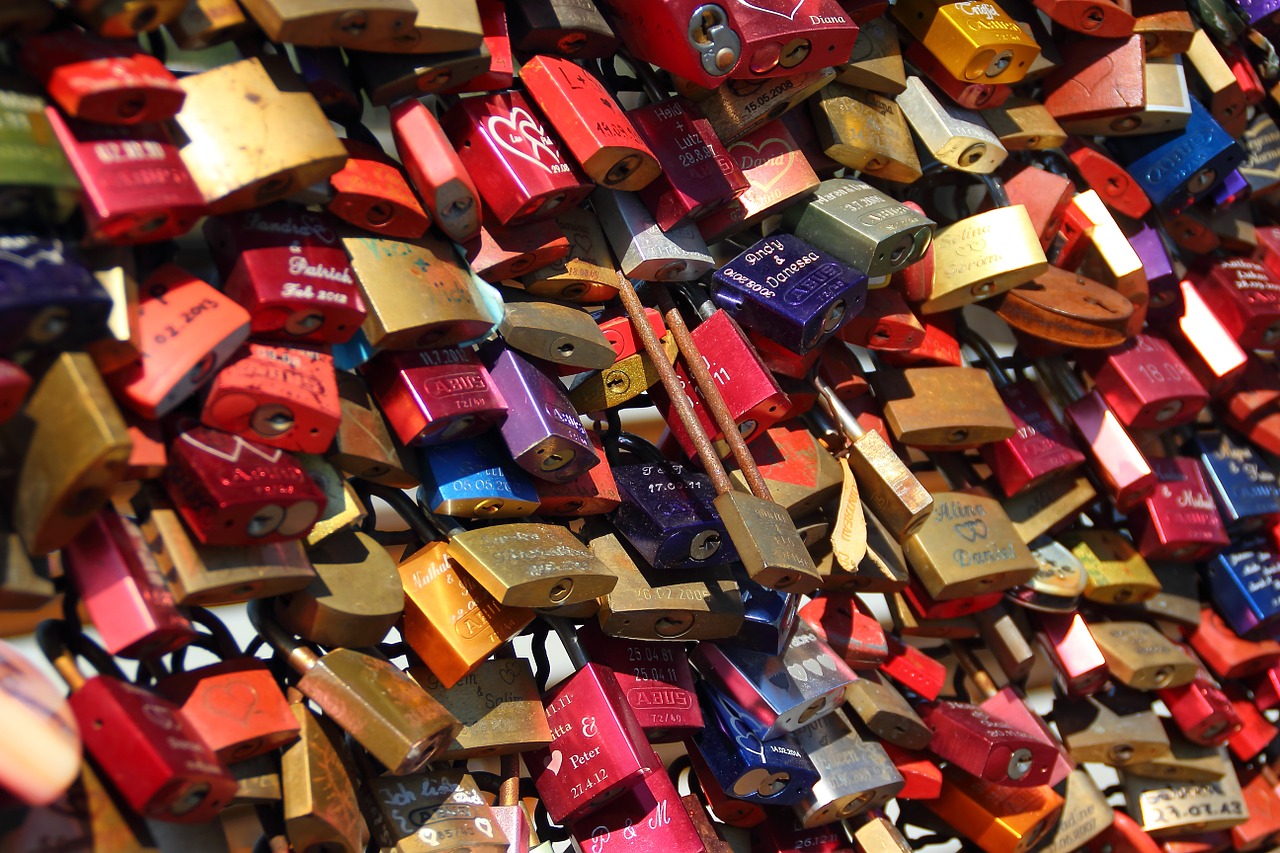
(1257, 11)
(1233, 190)
(542, 431)
(790, 292)
(48, 300)
(1165, 305)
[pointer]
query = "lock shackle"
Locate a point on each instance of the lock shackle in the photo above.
(1061, 381)
(424, 524)
(61, 644)
(645, 76)
(569, 639)
(973, 668)
(695, 295)
(224, 642)
(711, 395)
(358, 131)
(297, 654)
(844, 418)
(937, 173)
(983, 349)
(509, 787)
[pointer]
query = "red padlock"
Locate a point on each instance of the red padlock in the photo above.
(433, 396)
(137, 188)
(14, 385)
(592, 493)
(1255, 733)
(967, 737)
(436, 170)
(1179, 520)
(939, 348)
(913, 669)
(1145, 383)
(108, 82)
(973, 95)
(791, 37)
(842, 622)
(186, 331)
(123, 589)
(235, 492)
(1044, 194)
(370, 192)
(1206, 346)
(886, 323)
(1077, 661)
(275, 395)
(139, 741)
(1117, 189)
(235, 704)
(1245, 297)
(1098, 78)
(516, 163)
(501, 73)
(1201, 710)
(498, 253)
(921, 777)
(287, 267)
(1228, 655)
(694, 40)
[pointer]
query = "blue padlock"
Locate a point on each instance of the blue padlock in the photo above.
(475, 478)
(1244, 583)
(1243, 485)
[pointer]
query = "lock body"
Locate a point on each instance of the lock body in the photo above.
(531, 565)
(698, 41)
(861, 226)
(475, 478)
(667, 516)
(371, 192)
(436, 171)
(436, 395)
(656, 680)
(1179, 520)
(973, 45)
(1040, 446)
(498, 706)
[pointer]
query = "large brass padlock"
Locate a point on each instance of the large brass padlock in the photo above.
(984, 255)
(942, 406)
(968, 547)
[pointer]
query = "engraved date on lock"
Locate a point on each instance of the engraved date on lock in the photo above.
(591, 781)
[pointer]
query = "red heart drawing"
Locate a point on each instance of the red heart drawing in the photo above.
(233, 700)
(766, 168)
(521, 134)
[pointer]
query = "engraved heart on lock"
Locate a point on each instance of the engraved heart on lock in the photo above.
(554, 762)
(972, 530)
(790, 16)
(236, 701)
(782, 162)
(523, 136)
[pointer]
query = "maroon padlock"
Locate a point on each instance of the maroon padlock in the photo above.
(434, 395)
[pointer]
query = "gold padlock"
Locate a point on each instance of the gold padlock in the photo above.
(983, 255)
(204, 23)
(587, 273)
(968, 547)
(627, 379)
(363, 446)
(320, 807)
(876, 60)
(528, 564)
(1116, 729)
(388, 26)
(1117, 572)
(254, 134)
(1037, 510)
(1085, 814)
(1141, 657)
(1185, 761)
(974, 42)
(342, 508)
(866, 131)
(1179, 808)
(940, 407)
(498, 705)
(76, 451)
(1024, 123)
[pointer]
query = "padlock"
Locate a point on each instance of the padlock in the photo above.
(497, 42)
(698, 175)
(498, 706)
(1100, 78)
(768, 615)
(450, 620)
(386, 78)
(802, 475)
(35, 178)
(1165, 304)
(225, 504)
(1179, 520)
(1146, 384)
(1255, 732)
(696, 41)
(954, 136)
(50, 300)
(354, 600)
(1227, 654)
(890, 491)
(981, 419)
(1113, 456)
(445, 309)
(1116, 572)
(886, 713)
(1166, 105)
(730, 810)
(970, 266)
(876, 60)
(645, 251)
(516, 164)
(100, 81)
(1039, 509)
(63, 485)
(1162, 809)
(371, 192)
(127, 19)
(593, 493)
(586, 274)
(1240, 590)
(974, 45)
(654, 604)
(14, 385)
(995, 818)
(278, 396)
(1201, 711)
(1115, 727)
(435, 170)
(170, 774)
(1218, 87)
(119, 347)
(1242, 483)
(317, 780)
(969, 738)
(1024, 124)
(742, 107)
(1177, 168)
(1076, 659)
(562, 334)
(777, 174)
(972, 94)
(770, 772)
(435, 395)
(237, 168)
(847, 626)
(1207, 347)
(1178, 600)
(431, 807)
(1263, 824)
(1116, 187)
(1085, 814)
(1140, 657)
(1107, 254)
(707, 834)
(780, 693)
(1259, 168)
(381, 707)
(866, 130)
(475, 478)
(593, 732)
(122, 589)
(855, 774)
(1185, 761)
(287, 268)
(657, 682)
(384, 25)
(363, 447)
(860, 226)
(819, 291)
(751, 393)
(646, 816)
(178, 308)
(1239, 292)
(1059, 582)
(205, 23)
(208, 575)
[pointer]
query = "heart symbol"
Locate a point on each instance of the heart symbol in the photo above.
(234, 700)
(554, 761)
(828, 663)
(584, 245)
(508, 674)
(972, 530)
(521, 134)
(813, 666)
(780, 162)
(797, 672)
(790, 16)
(779, 680)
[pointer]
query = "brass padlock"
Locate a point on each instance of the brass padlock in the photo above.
(627, 379)
(1170, 809)
(431, 810)
(984, 255)
(388, 26)
(649, 604)
(556, 333)
(238, 163)
(866, 131)
(1037, 510)
(1219, 88)
(1185, 761)
(739, 107)
(1117, 572)
(876, 60)
(1023, 123)
(1141, 657)
(127, 18)
(320, 807)
(204, 23)
(884, 711)
(1085, 813)
(967, 548)
(342, 508)
(954, 136)
(441, 308)
(527, 564)
(76, 449)
(588, 273)
(498, 706)
(363, 446)
(912, 401)
(1117, 729)
(24, 582)
(974, 43)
